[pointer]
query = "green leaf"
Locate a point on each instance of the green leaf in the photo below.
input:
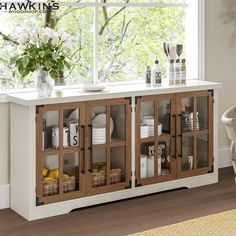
(53, 74)
(67, 65)
(18, 62)
(21, 69)
(55, 56)
(41, 54)
(25, 62)
(13, 60)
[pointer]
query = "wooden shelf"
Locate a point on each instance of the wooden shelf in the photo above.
(71, 149)
(162, 137)
(197, 132)
(117, 142)
(114, 143)
(147, 140)
(51, 151)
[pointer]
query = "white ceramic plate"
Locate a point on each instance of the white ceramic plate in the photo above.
(100, 119)
(99, 136)
(99, 142)
(93, 87)
(74, 116)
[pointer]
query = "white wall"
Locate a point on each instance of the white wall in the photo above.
(4, 144)
(221, 54)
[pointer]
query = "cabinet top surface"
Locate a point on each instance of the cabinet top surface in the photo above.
(77, 94)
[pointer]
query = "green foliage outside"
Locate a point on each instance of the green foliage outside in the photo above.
(129, 40)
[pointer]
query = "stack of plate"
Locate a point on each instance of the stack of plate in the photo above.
(99, 128)
(159, 130)
(149, 120)
(99, 134)
(144, 131)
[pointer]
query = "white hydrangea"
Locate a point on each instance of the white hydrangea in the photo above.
(21, 48)
(44, 38)
(23, 39)
(55, 38)
(34, 39)
(65, 37)
(41, 36)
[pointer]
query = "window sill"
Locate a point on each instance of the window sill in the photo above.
(3, 99)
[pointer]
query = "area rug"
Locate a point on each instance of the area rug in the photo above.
(220, 224)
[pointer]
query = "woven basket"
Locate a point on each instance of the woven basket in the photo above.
(115, 176)
(51, 187)
(99, 179)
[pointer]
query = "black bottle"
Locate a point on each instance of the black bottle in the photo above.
(148, 76)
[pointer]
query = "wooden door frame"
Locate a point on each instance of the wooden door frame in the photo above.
(155, 99)
(127, 145)
(61, 196)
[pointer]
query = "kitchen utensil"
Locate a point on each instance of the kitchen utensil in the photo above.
(168, 50)
(179, 49)
(172, 53)
(165, 49)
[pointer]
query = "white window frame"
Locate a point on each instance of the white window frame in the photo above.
(96, 4)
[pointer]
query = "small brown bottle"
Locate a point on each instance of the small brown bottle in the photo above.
(183, 72)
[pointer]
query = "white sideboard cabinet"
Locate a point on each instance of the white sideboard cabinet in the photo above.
(83, 149)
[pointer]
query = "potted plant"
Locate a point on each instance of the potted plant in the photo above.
(46, 51)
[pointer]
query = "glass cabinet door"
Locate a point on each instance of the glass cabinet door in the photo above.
(187, 157)
(109, 145)
(195, 131)
(155, 144)
(60, 152)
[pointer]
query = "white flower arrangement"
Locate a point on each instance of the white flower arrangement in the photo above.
(45, 48)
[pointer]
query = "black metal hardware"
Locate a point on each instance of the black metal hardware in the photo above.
(174, 136)
(136, 99)
(83, 149)
(129, 186)
(38, 203)
(211, 169)
(181, 137)
(212, 92)
(91, 148)
(136, 183)
(181, 145)
(130, 100)
(38, 107)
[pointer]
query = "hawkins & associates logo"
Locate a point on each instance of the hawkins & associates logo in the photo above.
(28, 7)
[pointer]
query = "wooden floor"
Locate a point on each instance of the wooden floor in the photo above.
(130, 216)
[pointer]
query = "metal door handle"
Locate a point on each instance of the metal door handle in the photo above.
(174, 136)
(83, 149)
(91, 148)
(181, 137)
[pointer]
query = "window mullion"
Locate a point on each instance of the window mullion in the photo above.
(95, 45)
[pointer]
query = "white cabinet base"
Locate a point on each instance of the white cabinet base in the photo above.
(38, 212)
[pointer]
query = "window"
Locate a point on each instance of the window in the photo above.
(114, 40)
